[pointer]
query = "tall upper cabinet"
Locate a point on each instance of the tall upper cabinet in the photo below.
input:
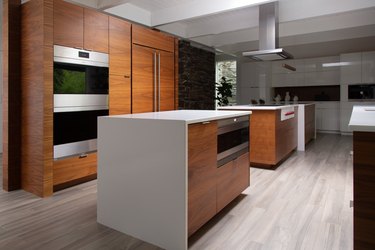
(119, 66)
(153, 71)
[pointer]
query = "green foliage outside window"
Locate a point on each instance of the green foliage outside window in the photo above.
(67, 81)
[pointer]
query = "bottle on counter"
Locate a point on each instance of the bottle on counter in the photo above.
(295, 99)
(287, 98)
(277, 99)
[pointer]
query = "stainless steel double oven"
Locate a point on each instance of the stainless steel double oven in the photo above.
(80, 85)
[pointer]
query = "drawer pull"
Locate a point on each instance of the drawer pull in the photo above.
(82, 156)
(205, 122)
(126, 76)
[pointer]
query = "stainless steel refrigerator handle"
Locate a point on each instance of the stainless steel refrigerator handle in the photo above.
(159, 81)
(155, 105)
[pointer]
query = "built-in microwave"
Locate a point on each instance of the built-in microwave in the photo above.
(232, 139)
(80, 86)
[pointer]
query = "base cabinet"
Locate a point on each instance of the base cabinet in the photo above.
(232, 178)
(211, 188)
(73, 170)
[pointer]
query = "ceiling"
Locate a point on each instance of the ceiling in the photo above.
(307, 28)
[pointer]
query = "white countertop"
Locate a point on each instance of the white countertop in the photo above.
(363, 118)
(189, 116)
(256, 107)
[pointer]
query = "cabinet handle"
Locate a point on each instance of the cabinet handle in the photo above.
(206, 122)
(126, 76)
(159, 81)
(155, 74)
(82, 156)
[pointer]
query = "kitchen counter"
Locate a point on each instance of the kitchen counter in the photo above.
(363, 118)
(187, 116)
(257, 107)
(148, 165)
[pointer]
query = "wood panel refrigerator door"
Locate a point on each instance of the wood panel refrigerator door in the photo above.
(144, 73)
(166, 88)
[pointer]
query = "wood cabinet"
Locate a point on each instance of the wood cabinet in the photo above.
(73, 170)
(67, 24)
(153, 71)
(211, 188)
(271, 139)
(95, 33)
(201, 174)
(119, 66)
(232, 179)
(78, 27)
(364, 189)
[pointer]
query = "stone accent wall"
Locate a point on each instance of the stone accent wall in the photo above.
(196, 86)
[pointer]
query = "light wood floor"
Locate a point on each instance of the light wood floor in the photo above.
(304, 204)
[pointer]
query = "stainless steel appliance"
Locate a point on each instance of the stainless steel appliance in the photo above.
(80, 85)
(232, 139)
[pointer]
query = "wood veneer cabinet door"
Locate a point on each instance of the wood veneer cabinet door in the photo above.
(67, 24)
(202, 152)
(364, 189)
(119, 47)
(119, 95)
(144, 79)
(232, 179)
(166, 81)
(95, 31)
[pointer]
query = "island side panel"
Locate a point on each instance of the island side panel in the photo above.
(262, 137)
(301, 127)
(142, 179)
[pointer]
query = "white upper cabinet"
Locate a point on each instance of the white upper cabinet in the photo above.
(351, 70)
(368, 67)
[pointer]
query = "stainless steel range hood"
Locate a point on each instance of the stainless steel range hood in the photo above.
(268, 35)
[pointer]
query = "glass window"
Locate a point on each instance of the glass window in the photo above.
(228, 69)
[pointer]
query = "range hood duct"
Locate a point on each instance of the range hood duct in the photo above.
(268, 35)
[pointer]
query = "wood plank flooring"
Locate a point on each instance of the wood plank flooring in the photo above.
(303, 204)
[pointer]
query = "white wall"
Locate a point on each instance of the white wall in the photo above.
(1, 77)
(254, 81)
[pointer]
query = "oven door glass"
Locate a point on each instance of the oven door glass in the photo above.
(79, 79)
(75, 132)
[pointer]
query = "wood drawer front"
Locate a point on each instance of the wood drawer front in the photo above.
(73, 168)
(232, 179)
(152, 38)
(202, 151)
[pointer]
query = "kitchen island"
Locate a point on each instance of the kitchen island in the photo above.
(158, 174)
(362, 122)
(276, 130)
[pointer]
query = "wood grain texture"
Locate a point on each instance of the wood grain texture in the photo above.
(286, 135)
(73, 168)
(119, 95)
(143, 79)
(232, 179)
(119, 66)
(37, 96)
(95, 31)
(167, 81)
(176, 69)
(67, 24)
(152, 38)
(11, 105)
(262, 137)
(304, 204)
(364, 189)
(202, 151)
(271, 140)
(119, 47)
(309, 122)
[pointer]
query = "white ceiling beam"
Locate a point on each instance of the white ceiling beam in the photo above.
(131, 12)
(198, 8)
(106, 4)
